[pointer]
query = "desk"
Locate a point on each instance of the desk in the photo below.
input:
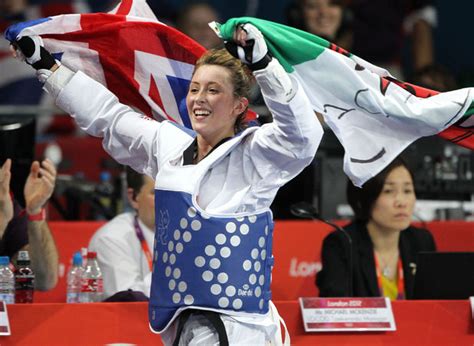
(418, 323)
(79, 324)
(296, 247)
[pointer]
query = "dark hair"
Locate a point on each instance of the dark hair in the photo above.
(240, 76)
(295, 17)
(362, 199)
(135, 181)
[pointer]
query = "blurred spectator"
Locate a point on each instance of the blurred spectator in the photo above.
(124, 245)
(380, 259)
(329, 19)
(380, 28)
(193, 20)
(28, 229)
(16, 79)
(273, 10)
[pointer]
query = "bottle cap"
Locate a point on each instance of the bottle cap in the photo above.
(23, 256)
(77, 259)
(105, 176)
(92, 254)
(4, 260)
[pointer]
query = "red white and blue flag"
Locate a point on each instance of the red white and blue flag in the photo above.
(145, 63)
(18, 82)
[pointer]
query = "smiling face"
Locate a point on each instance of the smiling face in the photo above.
(212, 104)
(393, 209)
(322, 17)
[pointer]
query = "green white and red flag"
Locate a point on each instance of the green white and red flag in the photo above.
(374, 116)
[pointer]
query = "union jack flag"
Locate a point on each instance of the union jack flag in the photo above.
(18, 82)
(145, 63)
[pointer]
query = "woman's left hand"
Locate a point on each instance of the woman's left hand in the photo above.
(249, 46)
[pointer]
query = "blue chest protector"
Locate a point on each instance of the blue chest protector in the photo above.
(213, 263)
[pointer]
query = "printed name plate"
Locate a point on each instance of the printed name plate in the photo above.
(347, 314)
(4, 321)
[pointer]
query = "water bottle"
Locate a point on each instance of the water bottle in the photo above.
(92, 288)
(74, 279)
(24, 279)
(7, 281)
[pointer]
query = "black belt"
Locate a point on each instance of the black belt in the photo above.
(212, 317)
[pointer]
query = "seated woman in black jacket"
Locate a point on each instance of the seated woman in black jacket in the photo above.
(384, 245)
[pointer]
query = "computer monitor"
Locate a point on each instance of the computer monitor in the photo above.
(444, 275)
(17, 141)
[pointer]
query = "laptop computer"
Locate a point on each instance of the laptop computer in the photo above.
(444, 275)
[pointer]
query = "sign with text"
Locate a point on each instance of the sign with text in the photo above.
(347, 314)
(4, 321)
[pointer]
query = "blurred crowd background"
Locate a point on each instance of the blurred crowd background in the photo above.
(419, 41)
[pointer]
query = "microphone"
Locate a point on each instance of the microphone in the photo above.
(306, 210)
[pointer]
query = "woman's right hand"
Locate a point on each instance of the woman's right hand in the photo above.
(30, 49)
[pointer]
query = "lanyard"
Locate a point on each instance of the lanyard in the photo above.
(141, 238)
(400, 278)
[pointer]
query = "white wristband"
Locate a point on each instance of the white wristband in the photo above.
(274, 82)
(57, 80)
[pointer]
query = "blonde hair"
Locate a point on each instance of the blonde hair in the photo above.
(239, 73)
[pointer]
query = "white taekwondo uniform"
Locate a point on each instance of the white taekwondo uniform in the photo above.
(213, 237)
